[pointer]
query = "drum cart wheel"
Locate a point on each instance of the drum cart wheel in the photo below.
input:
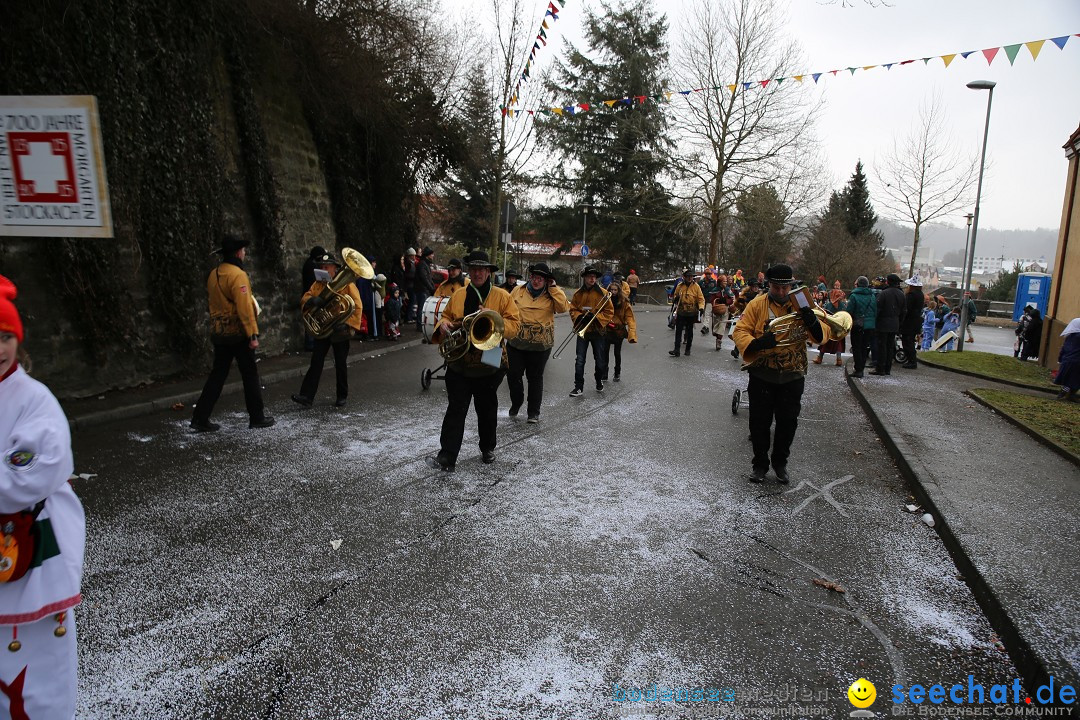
(735, 402)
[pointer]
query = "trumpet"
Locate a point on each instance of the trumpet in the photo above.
(481, 330)
(580, 332)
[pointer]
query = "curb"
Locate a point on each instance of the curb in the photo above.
(147, 407)
(988, 378)
(1059, 449)
(1032, 669)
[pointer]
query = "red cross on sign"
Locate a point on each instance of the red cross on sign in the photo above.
(43, 165)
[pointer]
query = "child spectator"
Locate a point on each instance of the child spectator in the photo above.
(929, 324)
(951, 324)
(392, 308)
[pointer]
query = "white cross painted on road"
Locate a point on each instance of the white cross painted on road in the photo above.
(43, 168)
(821, 492)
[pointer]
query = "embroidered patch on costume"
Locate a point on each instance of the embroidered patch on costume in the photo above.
(21, 459)
(243, 288)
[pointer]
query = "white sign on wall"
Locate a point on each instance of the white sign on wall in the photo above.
(52, 168)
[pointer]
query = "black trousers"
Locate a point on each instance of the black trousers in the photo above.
(613, 344)
(861, 342)
(886, 351)
(224, 354)
(310, 386)
(684, 326)
(483, 392)
(530, 365)
(768, 401)
(907, 339)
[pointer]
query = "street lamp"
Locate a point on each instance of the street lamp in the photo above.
(975, 85)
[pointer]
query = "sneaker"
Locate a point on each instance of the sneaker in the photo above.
(204, 426)
(514, 410)
(599, 386)
(266, 422)
(533, 419)
(488, 456)
(673, 353)
(615, 377)
(576, 392)
(302, 400)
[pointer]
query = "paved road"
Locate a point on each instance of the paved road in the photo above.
(320, 569)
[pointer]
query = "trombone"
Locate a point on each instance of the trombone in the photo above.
(580, 332)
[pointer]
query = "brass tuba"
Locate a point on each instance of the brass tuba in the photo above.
(337, 306)
(481, 330)
(839, 326)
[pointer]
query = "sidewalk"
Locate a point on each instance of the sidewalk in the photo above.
(120, 404)
(1006, 507)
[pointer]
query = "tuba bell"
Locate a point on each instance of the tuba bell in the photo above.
(839, 324)
(482, 330)
(337, 306)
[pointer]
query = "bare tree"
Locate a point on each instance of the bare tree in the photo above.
(749, 121)
(927, 175)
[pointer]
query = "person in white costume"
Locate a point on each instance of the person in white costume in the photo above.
(38, 659)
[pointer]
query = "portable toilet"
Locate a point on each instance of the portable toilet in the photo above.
(1032, 288)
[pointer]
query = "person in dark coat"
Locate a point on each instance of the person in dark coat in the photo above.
(1068, 374)
(409, 303)
(423, 285)
(915, 301)
(1032, 334)
(890, 314)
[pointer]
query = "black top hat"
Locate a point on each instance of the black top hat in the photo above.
(454, 263)
(780, 274)
(479, 258)
(232, 243)
(893, 279)
(590, 270)
(541, 268)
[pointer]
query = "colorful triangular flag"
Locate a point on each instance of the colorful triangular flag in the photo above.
(1060, 41)
(990, 54)
(1034, 47)
(816, 76)
(1011, 51)
(948, 58)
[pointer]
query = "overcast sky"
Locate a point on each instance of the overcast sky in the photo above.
(1036, 104)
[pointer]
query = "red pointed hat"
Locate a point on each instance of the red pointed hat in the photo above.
(10, 322)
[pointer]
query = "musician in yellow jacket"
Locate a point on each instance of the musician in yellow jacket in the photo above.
(777, 371)
(338, 341)
(475, 377)
(537, 301)
(455, 279)
(590, 308)
(234, 333)
(622, 326)
(688, 304)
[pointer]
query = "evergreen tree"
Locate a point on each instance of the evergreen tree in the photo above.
(471, 192)
(761, 236)
(614, 158)
(859, 215)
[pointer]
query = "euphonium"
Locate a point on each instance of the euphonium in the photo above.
(481, 330)
(337, 306)
(839, 326)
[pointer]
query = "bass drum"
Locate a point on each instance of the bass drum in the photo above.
(432, 315)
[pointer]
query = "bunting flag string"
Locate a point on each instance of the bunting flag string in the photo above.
(540, 41)
(1034, 47)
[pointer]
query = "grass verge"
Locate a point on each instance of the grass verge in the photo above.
(999, 367)
(1055, 420)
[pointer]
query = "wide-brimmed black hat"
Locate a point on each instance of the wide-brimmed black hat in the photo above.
(479, 258)
(512, 273)
(780, 274)
(541, 268)
(232, 243)
(326, 259)
(454, 263)
(316, 252)
(590, 270)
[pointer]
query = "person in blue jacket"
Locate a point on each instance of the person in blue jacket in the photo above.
(929, 324)
(952, 324)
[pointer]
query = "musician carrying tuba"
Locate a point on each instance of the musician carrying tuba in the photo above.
(475, 322)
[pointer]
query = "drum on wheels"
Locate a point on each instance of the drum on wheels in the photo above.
(431, 315)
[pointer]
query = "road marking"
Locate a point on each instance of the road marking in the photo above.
(824, 492)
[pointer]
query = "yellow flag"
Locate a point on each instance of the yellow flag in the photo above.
(868, 67)
(798, 77)
(948, 58)
(610, 103)
(1034, 47)
(731, 88)
(557, 111)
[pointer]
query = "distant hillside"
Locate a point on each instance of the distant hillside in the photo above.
(942, 238)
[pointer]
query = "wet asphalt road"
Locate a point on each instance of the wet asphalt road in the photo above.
(321, 569)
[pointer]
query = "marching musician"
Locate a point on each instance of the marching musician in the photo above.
(511, 282)
(688, 303)
(622, 326)
(475, 377)
(234, 333)
(590, 309)
(537, 302)
(777, 371)
(455, 280)
(338, 339)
